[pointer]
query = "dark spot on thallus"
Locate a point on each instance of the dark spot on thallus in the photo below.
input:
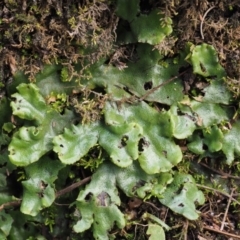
(164, 153)
(142, 144)
(25, 226)
(181, 205)
(43, 185)
(40, 195)
(18, 108)
(88, 197)
(148, 85)
(202, 67)
(61, 145)
(124, 141)
(178, 191)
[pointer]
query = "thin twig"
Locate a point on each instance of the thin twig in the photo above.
(221, 232)
(160, 85)
(214, 190)
(222, 174)
(185, 230)
(153, 205)
(202, 20)
(126, 89)
(226, 211)
(73, 186)
(58, 194)
(62, 204)
(165, 217)
(10, 204)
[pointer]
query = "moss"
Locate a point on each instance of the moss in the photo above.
(54, 32)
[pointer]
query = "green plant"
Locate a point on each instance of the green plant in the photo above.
(138, 139)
